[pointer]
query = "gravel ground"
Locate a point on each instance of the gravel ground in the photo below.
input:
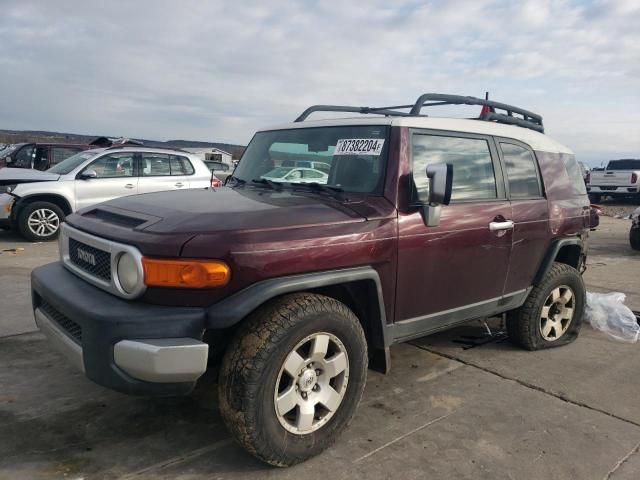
(612, 208)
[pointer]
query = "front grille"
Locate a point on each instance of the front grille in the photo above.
(90, 259)
(72, 328)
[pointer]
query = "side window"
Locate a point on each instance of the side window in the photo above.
(521, 171)
(155, 165)
(41, 158)
(180, 165)
(575, 174)
(62, 153)
(294, 175)
(473, 174)
(114, 165)
(24, 156)
(312, 174)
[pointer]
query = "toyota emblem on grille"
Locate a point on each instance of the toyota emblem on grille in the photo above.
(87, 257)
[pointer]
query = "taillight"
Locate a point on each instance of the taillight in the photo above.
(634, 177)
(215, 182)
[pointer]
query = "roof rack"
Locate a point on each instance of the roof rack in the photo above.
(511, 116)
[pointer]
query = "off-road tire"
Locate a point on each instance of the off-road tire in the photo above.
(523, 324)
(634, 238)
(26, 211)
(254, 359)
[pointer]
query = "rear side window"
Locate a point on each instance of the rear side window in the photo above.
(180, 165)
(521, 171)
(473, 174)
(575, 174)
(155, 165)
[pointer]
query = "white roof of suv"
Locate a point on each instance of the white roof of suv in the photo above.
(536, 140)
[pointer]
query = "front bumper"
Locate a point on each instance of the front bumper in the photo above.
(127, 346)
(6, 205)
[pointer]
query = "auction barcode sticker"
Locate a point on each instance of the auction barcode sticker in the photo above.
(359, 146)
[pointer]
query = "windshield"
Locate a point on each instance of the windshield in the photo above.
(7, 150)
(71, 163)
(353, 157)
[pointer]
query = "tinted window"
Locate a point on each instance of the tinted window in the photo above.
(626, 164)
(62, 153)
(521, 171)
(23, 157)
(180, 165)
(473, 175)
(575, 174)
(155, 165)
(113, 165)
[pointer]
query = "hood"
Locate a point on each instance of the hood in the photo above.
(12, 176)
(209, 210)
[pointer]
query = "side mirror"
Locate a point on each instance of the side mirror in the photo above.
(87, 174)
(440, 186)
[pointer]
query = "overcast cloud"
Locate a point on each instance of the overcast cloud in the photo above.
(216, 71)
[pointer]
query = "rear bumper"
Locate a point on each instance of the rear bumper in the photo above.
(130, 347)
(614, 191)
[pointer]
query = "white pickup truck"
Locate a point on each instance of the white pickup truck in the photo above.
(621, 178)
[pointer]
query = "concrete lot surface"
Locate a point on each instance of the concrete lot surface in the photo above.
(456, 404)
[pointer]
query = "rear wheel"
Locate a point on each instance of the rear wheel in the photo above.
(292, 378)
(40, 221)
(552, 314)
(634, 238)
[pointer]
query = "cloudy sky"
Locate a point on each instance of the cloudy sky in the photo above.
(218, 70)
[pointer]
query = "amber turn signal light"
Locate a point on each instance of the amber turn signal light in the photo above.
(160, 272)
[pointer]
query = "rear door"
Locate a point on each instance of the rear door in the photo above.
(116, 177)
(530, 212)
(457, 269)
(161, 172)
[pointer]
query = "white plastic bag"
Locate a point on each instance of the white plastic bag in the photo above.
(608, 313)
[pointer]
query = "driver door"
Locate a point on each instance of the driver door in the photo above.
(457, 270)
(116, 177)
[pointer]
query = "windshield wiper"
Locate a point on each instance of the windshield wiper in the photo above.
(319, 187)
(268, 183)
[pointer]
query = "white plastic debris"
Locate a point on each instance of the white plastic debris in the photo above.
(608, 313)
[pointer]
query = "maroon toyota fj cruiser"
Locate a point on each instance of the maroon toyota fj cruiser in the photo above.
(295, 288)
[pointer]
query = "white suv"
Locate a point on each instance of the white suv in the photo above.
(35, 203)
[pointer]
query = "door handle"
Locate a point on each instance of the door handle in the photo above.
(497, 226)
(129, 185)
(179, 184)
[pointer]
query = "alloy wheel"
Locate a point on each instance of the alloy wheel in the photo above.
(312, 383)
(557, 313)
(43, 222)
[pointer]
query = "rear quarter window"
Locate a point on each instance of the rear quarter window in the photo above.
(575, 174)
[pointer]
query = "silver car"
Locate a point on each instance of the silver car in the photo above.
(35, 203)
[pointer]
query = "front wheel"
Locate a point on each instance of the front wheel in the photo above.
(40, 221)
(552, 313)
(292, 378)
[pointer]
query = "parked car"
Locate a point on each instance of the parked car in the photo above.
(294, 290)
(219, 170)
(41, 156)
(36, 203)
(634, 233)
(621, 178)
(322, 166)
(296, 175)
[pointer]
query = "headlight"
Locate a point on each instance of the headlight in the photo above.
(128, 274)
